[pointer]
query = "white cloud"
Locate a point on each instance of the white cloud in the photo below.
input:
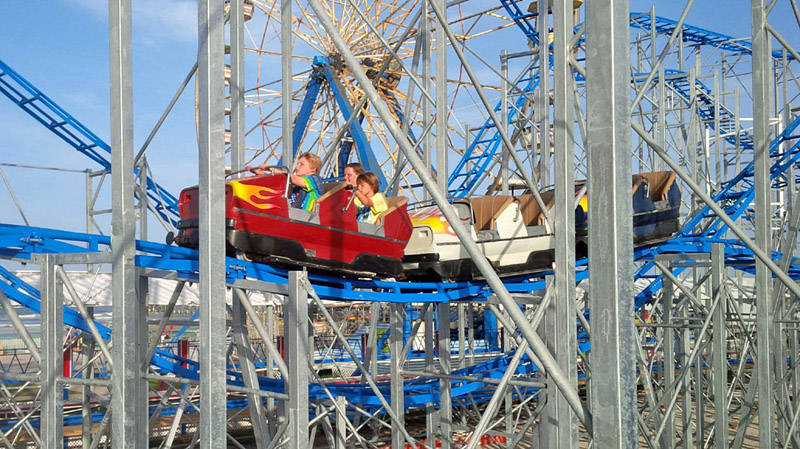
(174, 20)
(154, 21)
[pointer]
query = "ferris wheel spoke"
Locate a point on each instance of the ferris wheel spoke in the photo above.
(384, 37)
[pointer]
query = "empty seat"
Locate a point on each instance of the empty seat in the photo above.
(486, 210)
(531, 212)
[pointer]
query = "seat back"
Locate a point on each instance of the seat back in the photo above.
(636, 182)
(327, 186)
(330, 189)
(487, 208)
(531, 212)
(393, 203)
(660, 183)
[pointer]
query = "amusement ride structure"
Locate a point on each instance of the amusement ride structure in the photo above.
(678, 336)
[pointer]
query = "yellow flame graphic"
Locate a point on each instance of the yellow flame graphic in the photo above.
(584, 203)
(431, 216)
(258, 196)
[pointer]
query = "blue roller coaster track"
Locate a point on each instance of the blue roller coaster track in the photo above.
(61, 123)
(482, 150)
(698, 234)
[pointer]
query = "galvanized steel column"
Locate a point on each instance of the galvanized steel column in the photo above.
(340, 437)
(269, 326)
(445, 398)
(613, 386)
(441, 105)
(237, 85)
(128, 391)
(504, 156)
(685, 337)
(764, 304)
(87, 423)
(431, 417)
(296, 334)
(142, 213)
(287, 119)
(565, 344)
(396, 375)
(211, 76)
(425, 37)
(543, 93)
(249, 375)
(668, 368)
(720, 362)
(52, 328)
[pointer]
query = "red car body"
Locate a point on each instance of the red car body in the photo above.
(260, 225)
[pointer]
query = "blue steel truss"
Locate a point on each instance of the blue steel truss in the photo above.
(321, 75)
(20, 243)
(643, 21)
(698, 35)
(68, 128)
(522, 19)
(483, 148)
(706, 107)
(737, 194)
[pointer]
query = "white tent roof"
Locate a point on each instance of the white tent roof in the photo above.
(96, 290)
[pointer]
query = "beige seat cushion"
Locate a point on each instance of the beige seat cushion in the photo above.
(328, 186)
(486, 210)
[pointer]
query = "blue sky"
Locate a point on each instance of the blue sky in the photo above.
(62, 48)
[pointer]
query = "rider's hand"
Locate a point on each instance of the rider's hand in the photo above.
(258, 170)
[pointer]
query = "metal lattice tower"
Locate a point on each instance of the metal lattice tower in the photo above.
(699, 343)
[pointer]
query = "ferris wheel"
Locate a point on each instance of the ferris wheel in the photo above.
(394, 42)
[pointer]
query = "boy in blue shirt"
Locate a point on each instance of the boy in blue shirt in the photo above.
(306, 183)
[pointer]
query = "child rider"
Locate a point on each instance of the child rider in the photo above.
(306, 183)
(369, 201)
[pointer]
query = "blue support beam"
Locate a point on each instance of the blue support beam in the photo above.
(483, 148)
(306, 109)
(322, 73)
(53, 117)
(365, 153)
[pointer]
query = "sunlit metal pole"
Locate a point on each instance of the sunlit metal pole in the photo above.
(211, 78)
(537, 345)
(565, 335)
(237, 87)
(287, 119)
(128, 387)
(765, 312)
(612, 389)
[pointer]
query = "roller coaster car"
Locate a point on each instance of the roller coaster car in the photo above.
(510, 230)
(261, 226)
(656, 208)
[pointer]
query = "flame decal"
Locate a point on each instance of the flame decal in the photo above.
(584, 202)
(431, 216)
(259, 197)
